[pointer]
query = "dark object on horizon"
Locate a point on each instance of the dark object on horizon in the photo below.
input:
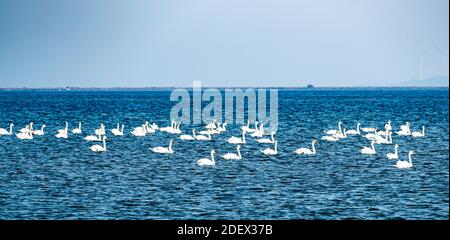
(309, 86)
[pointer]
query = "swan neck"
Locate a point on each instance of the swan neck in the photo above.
(313, 148)
(212, 157)
(170, 145)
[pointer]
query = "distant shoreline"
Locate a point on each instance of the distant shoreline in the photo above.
(172, 88)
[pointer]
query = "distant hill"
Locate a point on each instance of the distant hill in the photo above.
(439, 81)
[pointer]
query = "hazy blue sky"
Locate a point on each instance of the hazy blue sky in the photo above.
(52, 43)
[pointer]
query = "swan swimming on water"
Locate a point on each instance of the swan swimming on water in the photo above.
(222, 128)
(267, 140)
(246, 127)
(211, 125)
(139, 131)
(233, 156)
(27, 128)
(236, 140)
(341, 134)
(99, 148)
(164, 149)
(62, 133)
(355, 132)
(419, 134)
(330, 138)
(393, 155)
(333, 131)
(78, 129)
(405, 130)
(203, 137)
(118, 131)
(101, 130)
(405, 164)
(251, 130)
(25, 136)
(167, 129)
(270, 151)
(258, 133)
(93, 138)
(306, 151)
(367, 150)
(39, 132)
(5, 132)
(175, 129)
(188, 137)
(206, 161)
(368, 129)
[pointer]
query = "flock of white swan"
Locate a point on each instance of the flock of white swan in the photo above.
(373, 134)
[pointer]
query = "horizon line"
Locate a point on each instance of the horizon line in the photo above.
(69, 88)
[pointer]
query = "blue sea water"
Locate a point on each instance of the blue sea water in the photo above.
(50, 178)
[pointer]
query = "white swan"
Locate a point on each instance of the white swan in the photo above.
(259, 132)
(388, 126)
(25, 136)
(405, 130)
(330, 138)
(93, 138)
(236, 140)
(393, 155)
(163, 149)
(39, 132)
(222, 128)
(368, 129)
(252, 130)
(211, 125)
(78, 129)
(270, 151)
(139, 131)
(203, 137)
(5, 132)
(166, 129)
(386, 140)
(175, 129)
(419, 134)
(341, 134)
(267, 140)
(101, 130)
(246, 127)
(333, 131)
(99, 148)
(206, 161)
(188, 137)
(27, 128)
(306, 151)
(118, 131)
(355, 132)
(62, 133)
(372, 136)
(233, 156)
(368, 150)
(382, 133)
(405, 126)
(405, 164)
(65, 128)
